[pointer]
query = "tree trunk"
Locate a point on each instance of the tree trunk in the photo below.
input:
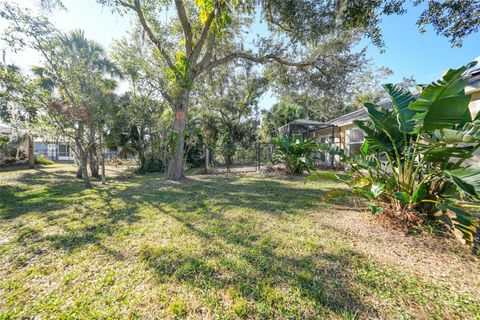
(83, 156)
(207, 157)
(79, 169)
(84, 169)
(175, 166)
(141, 148)
(93, 160)
(102, 156)
(31, 151)
(103, 168)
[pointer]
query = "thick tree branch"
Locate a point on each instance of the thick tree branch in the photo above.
(203, 37)
(187, 29)
(207, 57)
(251, 57)
(138, 10)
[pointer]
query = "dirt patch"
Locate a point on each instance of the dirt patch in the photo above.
(440, 259)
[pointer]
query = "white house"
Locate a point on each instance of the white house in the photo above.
(51, 148)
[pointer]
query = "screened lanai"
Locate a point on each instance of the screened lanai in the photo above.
(304, 128)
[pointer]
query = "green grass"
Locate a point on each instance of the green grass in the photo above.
(212, 247)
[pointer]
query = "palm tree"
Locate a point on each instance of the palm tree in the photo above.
(78, 76)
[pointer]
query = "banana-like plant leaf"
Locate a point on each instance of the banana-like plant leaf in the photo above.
(461, 220)
(377, 189)
(467, 179)
(470, 133)
(385, 121)
(365, 161)
(365, 148)
(403, 197)
(378, 141)
(360, 182)
(419, 194)
(401, 99)
(442, 154)
(332, 149)
(365, 193)
(442, 104)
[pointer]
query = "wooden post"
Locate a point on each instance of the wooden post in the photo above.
(333, 142)
(257, 155)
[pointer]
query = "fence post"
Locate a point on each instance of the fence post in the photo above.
(257, 154)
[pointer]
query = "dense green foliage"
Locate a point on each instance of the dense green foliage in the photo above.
(294, 153)
(414, 153)
(74, 83)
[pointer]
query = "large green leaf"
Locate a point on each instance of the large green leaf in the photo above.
(419, 194)
(385, 121)
(365, 161)
(442, 104)
(467, 179)
(401, 99)
(461, 220)
(331, 149)
(378, 141)
(470, 133)
(377, 189)
(442, 153)
(403, 197)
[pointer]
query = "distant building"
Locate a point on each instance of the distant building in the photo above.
(343, 132)
(58, 151)
(51, 148)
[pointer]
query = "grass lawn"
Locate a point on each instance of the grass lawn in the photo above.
(215, 247)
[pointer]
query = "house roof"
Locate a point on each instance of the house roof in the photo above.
(302, 126)
(360, 114)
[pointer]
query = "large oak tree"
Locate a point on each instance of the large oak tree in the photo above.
(192, 38)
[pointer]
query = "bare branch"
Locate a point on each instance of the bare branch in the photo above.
(187, 29)
(125, 4)
(138, 9)
(261, 59)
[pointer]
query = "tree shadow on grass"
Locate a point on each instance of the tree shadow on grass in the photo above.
(17, 200)
(226, 193)
(257, 273)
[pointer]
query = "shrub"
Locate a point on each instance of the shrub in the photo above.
(295, 153)
(152, 164)
(413, 155)
(41, 159)
(3, 142)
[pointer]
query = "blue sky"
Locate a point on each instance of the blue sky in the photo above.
(407, 52)
(423, 56)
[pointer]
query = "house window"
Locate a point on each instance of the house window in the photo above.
(40, 148)
(355, 138)
(63, 150)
